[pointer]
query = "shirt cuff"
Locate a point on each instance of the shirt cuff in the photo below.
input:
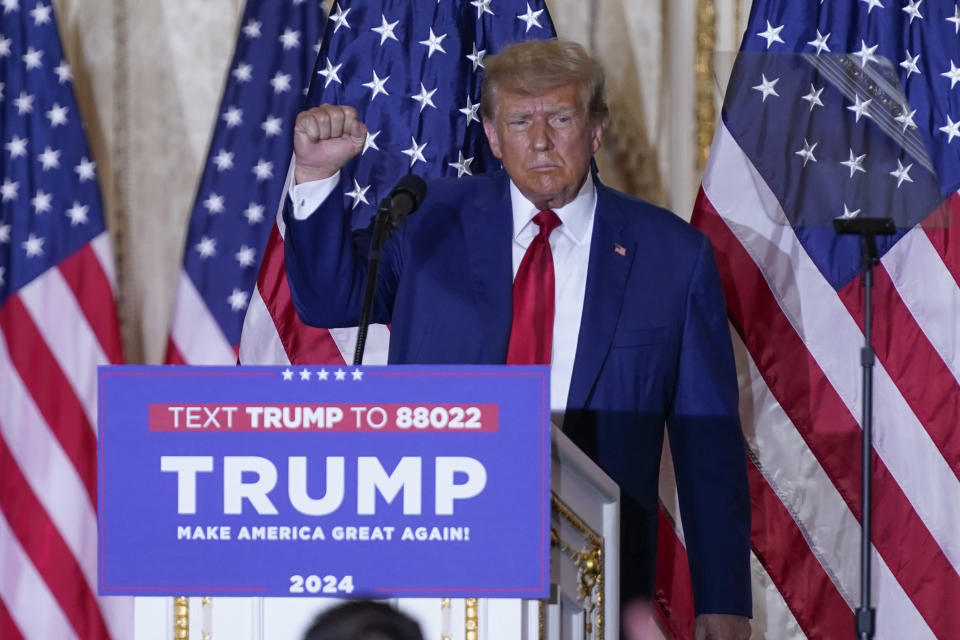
(308, 196)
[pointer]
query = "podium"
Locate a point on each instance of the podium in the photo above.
(584, 576)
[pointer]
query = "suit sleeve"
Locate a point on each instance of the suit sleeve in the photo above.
(709, 451)
(326, 266)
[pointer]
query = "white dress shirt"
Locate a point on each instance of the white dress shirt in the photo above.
(570, 245)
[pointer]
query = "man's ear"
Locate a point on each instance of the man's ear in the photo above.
(492, 138)
(596, 136)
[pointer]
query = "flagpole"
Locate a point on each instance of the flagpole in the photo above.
(868, 229)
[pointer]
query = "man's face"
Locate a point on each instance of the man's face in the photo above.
(545, 142)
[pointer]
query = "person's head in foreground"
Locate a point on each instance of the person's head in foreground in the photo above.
(363, 620)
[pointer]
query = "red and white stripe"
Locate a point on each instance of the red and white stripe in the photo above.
(797, 342)
(54, 332)
(273, 334)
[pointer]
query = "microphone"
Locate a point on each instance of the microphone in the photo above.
(404, 198)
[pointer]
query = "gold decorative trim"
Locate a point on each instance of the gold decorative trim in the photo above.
(181, 618)
(706, 107)
(589, 561)
(445, 619)
(472, 624)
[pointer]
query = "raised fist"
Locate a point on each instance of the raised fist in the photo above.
(324, 139)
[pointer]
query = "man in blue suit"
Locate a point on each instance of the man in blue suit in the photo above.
(634, 326)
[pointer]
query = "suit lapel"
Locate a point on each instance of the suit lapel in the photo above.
(606, 281)
(488, 233)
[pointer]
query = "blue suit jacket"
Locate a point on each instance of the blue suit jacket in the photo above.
(654, 347)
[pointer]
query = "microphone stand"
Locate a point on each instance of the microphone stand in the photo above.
(868, 229)
(381, 229)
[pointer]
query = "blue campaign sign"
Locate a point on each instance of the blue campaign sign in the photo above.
(338, 481)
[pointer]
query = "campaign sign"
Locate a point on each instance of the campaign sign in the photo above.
(324, 481)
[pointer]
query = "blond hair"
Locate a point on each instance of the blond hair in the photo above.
(533, 67)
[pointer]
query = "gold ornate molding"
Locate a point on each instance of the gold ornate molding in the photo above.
(706, 108)
(181, 618)
(589, 562)
(472, 624)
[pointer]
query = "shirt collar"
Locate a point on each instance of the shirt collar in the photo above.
(576, 215)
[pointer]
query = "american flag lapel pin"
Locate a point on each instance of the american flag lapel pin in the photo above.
(619, 250)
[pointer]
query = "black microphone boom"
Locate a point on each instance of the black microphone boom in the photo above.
(404, 198)
(402, 201)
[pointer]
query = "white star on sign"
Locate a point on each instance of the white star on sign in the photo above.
(32, 58)
(238, 299)
(766, 87)
(280, 82)
(63, 72)
(425, 98)
(415, 151)
(370, 142)
(77, 214)
(263, 170)
(952, 129)
(433, 43)
(855, 163)
(252, 28)
(462, 165)
(41, 201)
(530, 18)
(953, 74)
(57, 115)
(17, 146)
(358, 194)
(287, 374)
(906, 119)
(385, 30)
(305, 374)
(253, 213)
(477, 57)
(910, 63)
(243, 72)
(807, 152)
(483, 6)
(866, 54)
(471, 111)
(772, 34)
(8, 191)
(813, 97)
(860, 108)
(902, 173)
(330, 73)
(85, 170)
(872, 3)
(206, 247)
(820, 42)
(40, 14)
(214, 203)
(340, 18)
(233, 117)
(377, 85)
(245, 256)
(24, 103)
(49, 159)
(955, 19)
(33, 246)
(271, 126)
(223, 160)
(340, 374)
(323, 374)
(290, 39)
(912, 9)
(357, 374)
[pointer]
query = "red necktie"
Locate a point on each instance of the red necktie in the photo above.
(531, 334)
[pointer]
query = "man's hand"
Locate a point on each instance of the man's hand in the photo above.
(721, 626)
(324, 139)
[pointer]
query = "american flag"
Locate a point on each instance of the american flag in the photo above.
(57, 324)
(243, 178)
(845, 108)
(413, 72)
